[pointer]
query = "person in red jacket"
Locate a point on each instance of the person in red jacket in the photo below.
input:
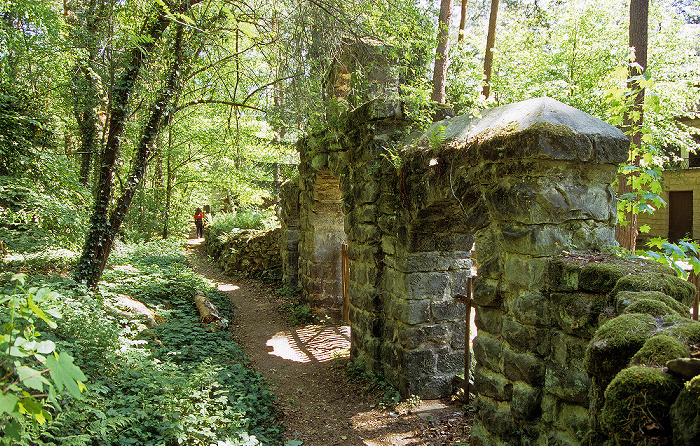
(199, 221)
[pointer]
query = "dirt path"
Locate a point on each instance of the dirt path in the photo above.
(306, 366)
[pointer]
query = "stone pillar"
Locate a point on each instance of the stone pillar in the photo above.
(544, 172)
(289, 236)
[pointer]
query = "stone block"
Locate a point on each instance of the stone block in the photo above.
(419, 362)
(488, 352)
(526, 401)
(427, 285)
(411, 336)
(530, 308)
(526, 272)
(448, 309)
(495, 416)
(450, 362)
(576, 313)
(428, 387)
(567, 384)
(437, 334)
(492, 384)
(411, 312)
(486, 292)
(521, 337)
(524, 367)
(459, 279)
(489, 320)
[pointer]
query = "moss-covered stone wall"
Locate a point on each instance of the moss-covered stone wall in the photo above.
(529, 186)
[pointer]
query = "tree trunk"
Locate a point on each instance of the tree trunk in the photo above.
(103, 226)
(490, 43)
(462, 21)
(168, 186)
(626, 235)
(443, 47)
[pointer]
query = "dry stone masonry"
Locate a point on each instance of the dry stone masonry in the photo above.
(560, 325)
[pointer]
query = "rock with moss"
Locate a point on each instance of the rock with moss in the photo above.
(679, 289)
(637, 404)
(658, 350)
(616, 342)
(685, 415)
(684, 329)
(625, 299)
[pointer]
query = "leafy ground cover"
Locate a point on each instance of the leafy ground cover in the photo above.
(172, 383)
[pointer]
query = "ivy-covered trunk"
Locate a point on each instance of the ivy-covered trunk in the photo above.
(104, 223)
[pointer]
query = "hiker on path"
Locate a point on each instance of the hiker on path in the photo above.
(199, 221)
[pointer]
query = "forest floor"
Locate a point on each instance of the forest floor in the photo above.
(306, 366)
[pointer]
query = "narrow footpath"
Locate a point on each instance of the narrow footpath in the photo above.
(306, 367)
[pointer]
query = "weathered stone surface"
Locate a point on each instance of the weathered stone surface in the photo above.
(492, 385)
(524, 367)
(526, 401)
(488, 352)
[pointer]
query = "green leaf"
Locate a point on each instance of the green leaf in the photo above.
(45, 347)
(644, 229)
(39, 312)
(31, 378)
(8, 402)
(672, 248)
(66, 374)
(689, 246)
(13, 430)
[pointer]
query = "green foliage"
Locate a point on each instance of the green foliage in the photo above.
(24, 130)
(31, 369)
(676, 255)
(175, 383)
(241, 219)
(53, 203)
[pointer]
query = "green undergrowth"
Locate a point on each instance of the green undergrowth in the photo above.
(173, 383)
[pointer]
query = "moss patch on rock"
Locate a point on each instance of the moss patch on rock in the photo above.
(649, 306)
(637, 398)
(679, 289)
(686, 330)
(625, 299)
(659, 349)
(616, 342)
(685, 415)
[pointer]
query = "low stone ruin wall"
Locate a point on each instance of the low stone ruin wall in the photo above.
(545, 367)
(247, 253)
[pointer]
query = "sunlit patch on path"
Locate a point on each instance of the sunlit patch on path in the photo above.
(311, 343)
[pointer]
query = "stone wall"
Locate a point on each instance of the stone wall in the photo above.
(248, 253)
(529, 184)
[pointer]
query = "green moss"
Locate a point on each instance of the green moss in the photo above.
(616, 342)
(638, 396)
(649, 306)
(601, 276)
(626, 298)
(679, 289)
(659, 349)
(684, 329)
(685, 415)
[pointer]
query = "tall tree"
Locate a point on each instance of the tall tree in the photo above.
(106, 220)
(490, 43)
(638, 41)
(441, 54)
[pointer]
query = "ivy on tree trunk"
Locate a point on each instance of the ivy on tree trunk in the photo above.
(103, 223)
